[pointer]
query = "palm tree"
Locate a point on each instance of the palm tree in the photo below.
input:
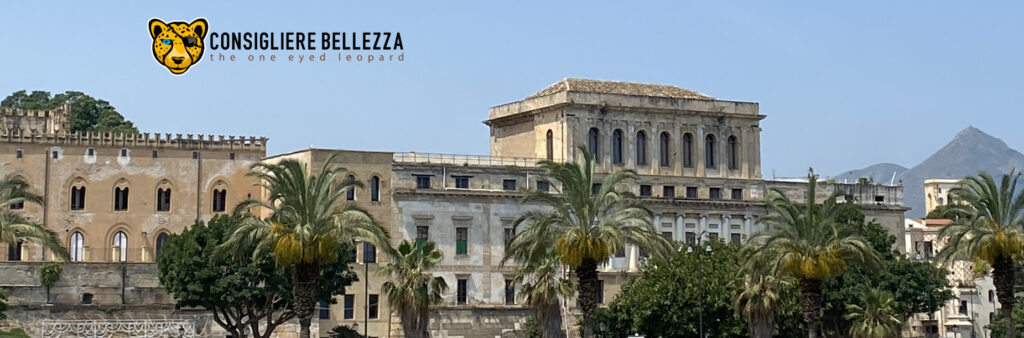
(14, 227)
(412, 289)
(543, 285)
(991, 232)
(308, 219)
(876, 319)
(806, 242)
(756, 300)
(586, 222)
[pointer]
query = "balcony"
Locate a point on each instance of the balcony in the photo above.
(465, 160)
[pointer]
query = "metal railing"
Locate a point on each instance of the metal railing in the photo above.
(465, 160)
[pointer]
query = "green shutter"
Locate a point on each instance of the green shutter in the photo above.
(461, 247)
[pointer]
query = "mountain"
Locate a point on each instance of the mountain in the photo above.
(882, 172)
(968, 153)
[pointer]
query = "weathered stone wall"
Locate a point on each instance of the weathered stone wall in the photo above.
(129, 291)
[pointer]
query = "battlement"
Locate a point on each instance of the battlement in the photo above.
(59, 111)
(154, 140)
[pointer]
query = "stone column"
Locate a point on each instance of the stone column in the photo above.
(632, 253)
(702, 230)
(680, 230)
(657, 222)
(698, 152)
(748, 225)
(726, 228)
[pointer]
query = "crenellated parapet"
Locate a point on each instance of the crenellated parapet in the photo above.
(151, 140)
(55, 112)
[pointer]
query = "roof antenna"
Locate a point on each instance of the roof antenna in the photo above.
(893, 179)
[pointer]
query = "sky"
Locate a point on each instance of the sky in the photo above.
(843, 84)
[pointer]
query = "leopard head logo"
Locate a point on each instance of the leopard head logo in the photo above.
(178, 45)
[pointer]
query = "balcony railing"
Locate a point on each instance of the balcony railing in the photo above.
(465, 160)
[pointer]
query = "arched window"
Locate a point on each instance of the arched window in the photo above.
(77, 246)
(77, 197)
(663, 150)
(220, 197)
(641, 148)
(351, 193)
(617, 146)
(375, 188)
(161, 240)
(991, 296)
(734, 162)
(688, 150)
(594, 143)
(709, 151)
(550, 145)
(14, 251)
(120, 245)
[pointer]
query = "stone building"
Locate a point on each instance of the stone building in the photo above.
(698, 160)
(936, 192)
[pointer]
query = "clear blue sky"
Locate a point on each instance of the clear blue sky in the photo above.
(844, 85)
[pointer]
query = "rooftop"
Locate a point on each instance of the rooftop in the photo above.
(617, 87)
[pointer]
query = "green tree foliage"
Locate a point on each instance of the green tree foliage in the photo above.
(589, 219)
(543, 284)
(242, 291)
(14, 226)
(992, 232)
(87, 113)
(344, 332)
(916, 287)
(13, 333)
(809, 242)
(670, 296)
(998, 325)
(948, 211)
(412, 289)
(874, 317)
(49, 273)
(309, 221)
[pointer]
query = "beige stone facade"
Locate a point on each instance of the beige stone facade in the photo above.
(698, 159)
(936, 192)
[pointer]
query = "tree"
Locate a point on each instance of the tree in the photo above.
(875, 317)
(947, 211)
(14, 227)
(917, 287)
(309, 219)
(756, 299)
(344, 332)
(543, 284)
(87, 113)
(998, 325)
(806, 241)
(49, 273)
(686, 292)
(586, 222)
(244, 292)
(991, 232)
(412, 290)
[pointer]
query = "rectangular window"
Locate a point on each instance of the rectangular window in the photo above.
(325, 309)
(231, 156)
(14, 252)
(124, 152)
(509, 233)
(508, 185)
(220, 197)
(350, 306)
(594, 189)
(668, 191)
(667, 235)
(77, 198)
(120, 199)
(163, 199)
(90, 152)
(621, 253)
(461, 241)
(928, 252)
(55, 154)
(373, 306)
(18, 205)
(20, 154)
(155, 154)
(691, 192)
(461, 182)
(645, 190)
(422, 234)
(691, 238)
(543, 186)
(715, 193)
(600, 292)
(879, 199)
(737, 194)
(369, 253)
(195, 155)
(460, 294)
(735, 238)
(963, 307)
(510, 292)
(422, 182)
